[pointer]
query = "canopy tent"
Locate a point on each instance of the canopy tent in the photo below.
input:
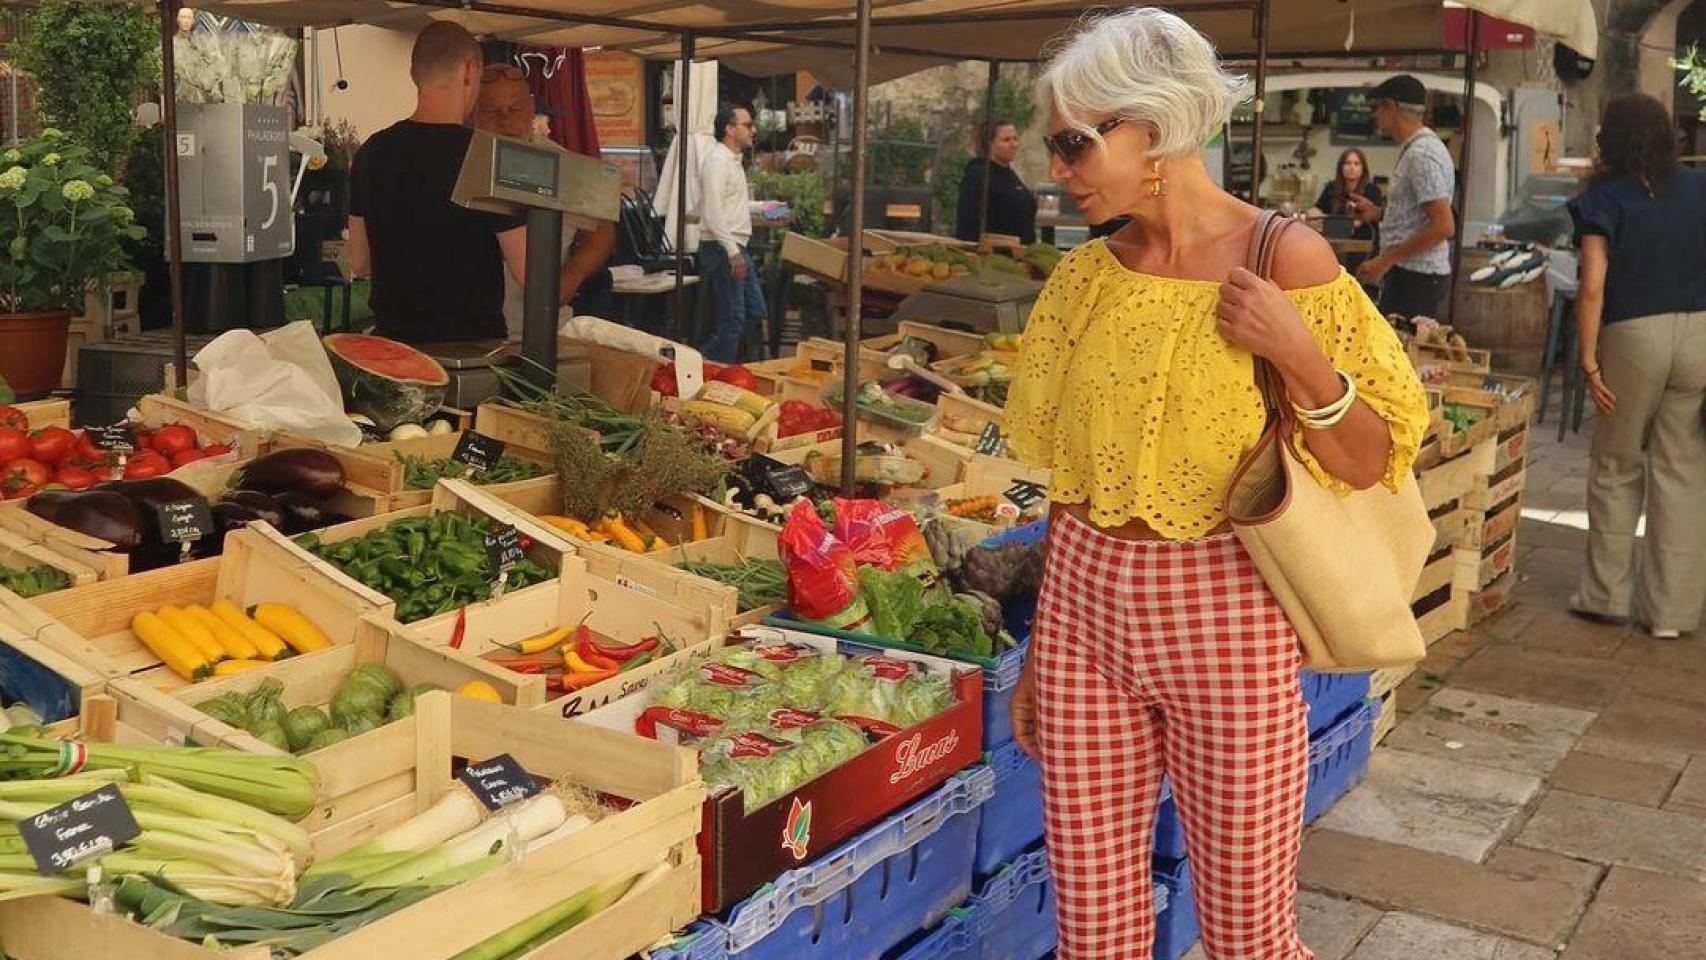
(1572, 21)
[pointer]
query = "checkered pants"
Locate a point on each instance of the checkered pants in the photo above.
(1167, 656)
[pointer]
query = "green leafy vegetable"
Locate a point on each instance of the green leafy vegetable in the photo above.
(33, 581)
(896, 601)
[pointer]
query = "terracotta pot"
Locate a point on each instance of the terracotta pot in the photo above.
(32, 350)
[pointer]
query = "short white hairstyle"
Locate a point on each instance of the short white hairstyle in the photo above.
(1146, 65)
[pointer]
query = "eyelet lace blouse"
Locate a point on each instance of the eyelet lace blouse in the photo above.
(1129, 394)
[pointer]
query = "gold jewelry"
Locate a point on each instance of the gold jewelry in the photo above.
(1157, 182)
(1329, 415)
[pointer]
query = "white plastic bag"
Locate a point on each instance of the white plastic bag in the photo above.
(280, 380)
(689, 363)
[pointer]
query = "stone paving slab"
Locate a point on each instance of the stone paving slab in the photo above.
(1536, 626)
(1533, 896)
(1493, 731)
(1689, 796)
(1641, 650)
(1630, 781)
(1642, 916)
(1542, 676)
(1655, 721)
(1400, 936)
(1635, 750)
(1619, 834)
(1680, 686)
(1430, 803)
(1331, 926)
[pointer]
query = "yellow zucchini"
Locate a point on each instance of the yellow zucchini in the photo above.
(226, 668)
(292, 626)
(229, 638)
(266, 642)
(192, 630)
(173, 650)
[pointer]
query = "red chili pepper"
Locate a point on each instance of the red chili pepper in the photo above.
(577, 681)
(460, 629)
(628, 651)
(523, 666)
(593, 655)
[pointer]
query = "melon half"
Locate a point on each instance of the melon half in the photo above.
(391, 383)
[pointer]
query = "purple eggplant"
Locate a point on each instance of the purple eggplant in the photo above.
(293, 469)
(264, 506)
(101, 514)
(303, 513)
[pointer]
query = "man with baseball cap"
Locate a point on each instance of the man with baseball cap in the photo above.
(1413, 267)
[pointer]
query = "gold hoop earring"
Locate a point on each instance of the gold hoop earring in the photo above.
(1157, 182)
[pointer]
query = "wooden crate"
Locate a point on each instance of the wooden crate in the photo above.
(1436, 574)
(1455, 359)
(1491, 526)
(376, 466)
(1451, 524)
(1488, 489)
(20, 652)
(949, 342)
(1452, 479)
(212, 479)
(1512, 447)
(98, 555)
(91, 624)
(614, 613)
(20, 554)
(310, 680)
(944, 463)
(1490, 599)
(815, 362)
(404, 770)
(46, 413)
(1513, 398)
(736, 542)
(546, 549)
(1454, 442)
(1478, 567)
(1441, 613)
(1387, 720)
(964, 420)
(159, 409)
(1382, 682)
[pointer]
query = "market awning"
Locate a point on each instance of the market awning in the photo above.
(764, 38)
(1572, 21)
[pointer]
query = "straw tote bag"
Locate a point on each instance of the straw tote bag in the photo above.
(1344, 568)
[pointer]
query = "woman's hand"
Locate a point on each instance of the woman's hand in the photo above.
(1257, 316)
(1602, 396)
(1022, 712)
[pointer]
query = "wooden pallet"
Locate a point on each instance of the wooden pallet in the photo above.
(1441, 613)
(1387, 720)
(1454, 478)
(1490, 488)
(1478, 567)
(1488, 527)
(1382, 682)
(403, 769)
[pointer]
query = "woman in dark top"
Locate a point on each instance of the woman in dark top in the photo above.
(1352, 193)
(1641, 315)
(1012, 206)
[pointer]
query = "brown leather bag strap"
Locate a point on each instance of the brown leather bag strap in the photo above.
(1264, 249)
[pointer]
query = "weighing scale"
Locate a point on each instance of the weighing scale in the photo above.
(550, 185)
(993, 304)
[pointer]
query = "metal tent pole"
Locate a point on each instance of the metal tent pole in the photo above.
(984, 136)
(174, 215)
(855, 251)
(1466, 129)
(683, 142)
(1260, 106)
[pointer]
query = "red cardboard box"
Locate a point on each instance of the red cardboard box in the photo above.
(742, 851)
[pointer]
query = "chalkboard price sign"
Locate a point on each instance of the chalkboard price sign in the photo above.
(184, 521)
(990, 442)
(1025, 494)
(499, 782)
(478, 450)
(79, 829)
(503, 549)
(116, 437)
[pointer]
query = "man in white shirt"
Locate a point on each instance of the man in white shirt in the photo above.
(725, 221)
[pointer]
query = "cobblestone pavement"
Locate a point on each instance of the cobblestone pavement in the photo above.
(1544, 794)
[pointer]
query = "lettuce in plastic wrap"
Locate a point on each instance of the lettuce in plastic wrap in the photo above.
(771, 763)
(752, 659)
(805, 680)
(892, 691)
(738, 697)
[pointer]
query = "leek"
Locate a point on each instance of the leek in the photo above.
(530, 819)
(455, 813)
(552, 922)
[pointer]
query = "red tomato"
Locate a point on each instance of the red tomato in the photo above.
(14, 418)
(146, 464)
(85, 448)
(74, 477)
(737, 375)
(187, 456)
(14, 444)
(171, 440)
(216, 450)
(23, 473)
(663, 379)
(51, 445)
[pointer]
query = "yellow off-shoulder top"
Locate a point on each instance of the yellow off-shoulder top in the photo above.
(1129, 394)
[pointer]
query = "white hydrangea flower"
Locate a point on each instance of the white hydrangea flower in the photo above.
(13, 179)
(77, 191)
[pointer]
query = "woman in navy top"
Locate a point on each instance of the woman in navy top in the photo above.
(1641, 315)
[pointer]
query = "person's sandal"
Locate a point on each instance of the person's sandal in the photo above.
(1658, 634)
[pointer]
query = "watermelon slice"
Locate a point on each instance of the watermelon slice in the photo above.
(391, 383)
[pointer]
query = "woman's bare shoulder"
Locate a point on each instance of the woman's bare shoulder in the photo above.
(1304, 259)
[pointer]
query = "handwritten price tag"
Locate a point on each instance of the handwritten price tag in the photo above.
(499, 782)
(79, 829)
(478, 450)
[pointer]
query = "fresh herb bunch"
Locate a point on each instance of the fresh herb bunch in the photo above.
(423, 473)
(33, 581)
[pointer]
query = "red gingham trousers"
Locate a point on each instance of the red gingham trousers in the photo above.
(1168, 656)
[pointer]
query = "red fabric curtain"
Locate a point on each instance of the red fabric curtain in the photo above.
(558, 80)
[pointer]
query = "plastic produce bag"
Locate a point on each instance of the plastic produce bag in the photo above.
(280, 380)
(887, 694)
(885, 536)
(823, 580)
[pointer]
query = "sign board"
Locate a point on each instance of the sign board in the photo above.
(184, 521)
(478, 450)
(498, 782)
(503, 549)
(616, 87)
(79, 829)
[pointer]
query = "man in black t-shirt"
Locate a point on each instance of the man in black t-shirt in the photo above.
(437, 267)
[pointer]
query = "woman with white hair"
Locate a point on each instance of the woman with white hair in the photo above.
(1158, 650)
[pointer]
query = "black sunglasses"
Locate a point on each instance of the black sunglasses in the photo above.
(1069, 145)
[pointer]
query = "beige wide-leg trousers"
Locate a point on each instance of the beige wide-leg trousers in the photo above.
(1650, 453)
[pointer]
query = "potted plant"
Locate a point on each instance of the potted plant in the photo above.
(61, 225)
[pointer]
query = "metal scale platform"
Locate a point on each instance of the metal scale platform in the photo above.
(471, 365)
(986, 304)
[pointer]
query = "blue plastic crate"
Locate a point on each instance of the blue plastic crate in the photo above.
(998, 686)
(1169, 833)
(1338, 759)
(953, 939)
(1331, 696)
(873, 892)
(1014, 911)
(1012, 820)
(701, 941)
(1175, 910)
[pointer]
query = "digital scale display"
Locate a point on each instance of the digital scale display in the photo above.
(520, 167)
